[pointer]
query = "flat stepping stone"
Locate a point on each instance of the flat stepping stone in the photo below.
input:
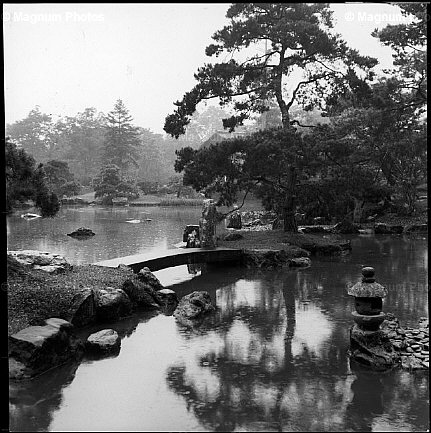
(104, 342)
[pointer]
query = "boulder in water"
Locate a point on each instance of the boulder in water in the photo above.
(82, 232)
(104, 342)
(193, 307)
(35, 349)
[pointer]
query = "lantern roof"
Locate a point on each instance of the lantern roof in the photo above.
(367, 288)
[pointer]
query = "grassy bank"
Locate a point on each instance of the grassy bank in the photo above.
(280, 240)
(35, 295)
(181, 202)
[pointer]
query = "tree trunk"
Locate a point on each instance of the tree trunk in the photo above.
(358, 210)
(289, 203)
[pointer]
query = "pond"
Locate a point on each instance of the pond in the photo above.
(273, 357)
(160, 228)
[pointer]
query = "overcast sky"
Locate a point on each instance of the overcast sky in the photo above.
(67, 57)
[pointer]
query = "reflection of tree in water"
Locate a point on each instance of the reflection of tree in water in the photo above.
(378, 393)
(264, 388)
(32, 403)
(258, 376)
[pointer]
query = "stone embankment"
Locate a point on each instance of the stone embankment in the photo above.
(36, 349)
(411, 343)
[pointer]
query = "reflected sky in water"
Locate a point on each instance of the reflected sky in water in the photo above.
(272, 357)
(115, 237)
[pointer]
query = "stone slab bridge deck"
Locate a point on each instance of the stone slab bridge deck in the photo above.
(174, 257)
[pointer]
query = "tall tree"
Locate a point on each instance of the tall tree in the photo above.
(35, 134)
(298, 39)
(121, 145)
(80, 143)
(109, 184)
(409, 43)
(26, 181)
(261, 161)
(60, 179)
(386, 121)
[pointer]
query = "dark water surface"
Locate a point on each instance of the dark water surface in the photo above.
(271, 358)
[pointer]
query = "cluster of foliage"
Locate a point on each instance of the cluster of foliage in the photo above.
(60, 179)
(109, 184)
(299, 39)
(26, 181)
(90, 140)
(370, 144)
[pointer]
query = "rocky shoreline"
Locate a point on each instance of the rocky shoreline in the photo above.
(110, 295)
(41, 321)
(411, 343)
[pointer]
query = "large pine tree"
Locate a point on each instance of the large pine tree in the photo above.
(122, 138)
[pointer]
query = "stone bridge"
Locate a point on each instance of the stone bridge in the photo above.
(175, 257)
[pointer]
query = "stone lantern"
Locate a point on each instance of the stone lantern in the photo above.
(369, 345)
(368, 301)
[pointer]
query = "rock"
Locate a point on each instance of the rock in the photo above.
(385, 229)
(103, 342)
(412, 363)
(168, 299)
(233, 237)
(193, 307)
(112, 304)
(399, 345)
(234, 221)
(300, 262)
(36, 349)
(345, 227)
(264, 258)
(372, 349)
(83, 309)
(48, 262)
(82, 232)
(326, 245)
(141, 290)
(207, 224)
(147, 277)
(313, 229)
(416, 228)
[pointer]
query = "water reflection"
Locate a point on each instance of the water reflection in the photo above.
(263, 351)
(31, 404)
(272, 357)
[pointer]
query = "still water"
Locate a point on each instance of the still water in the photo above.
(271, 358)
(160, 228)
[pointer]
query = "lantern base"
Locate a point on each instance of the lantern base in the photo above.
(372, 349)
(368, 322)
